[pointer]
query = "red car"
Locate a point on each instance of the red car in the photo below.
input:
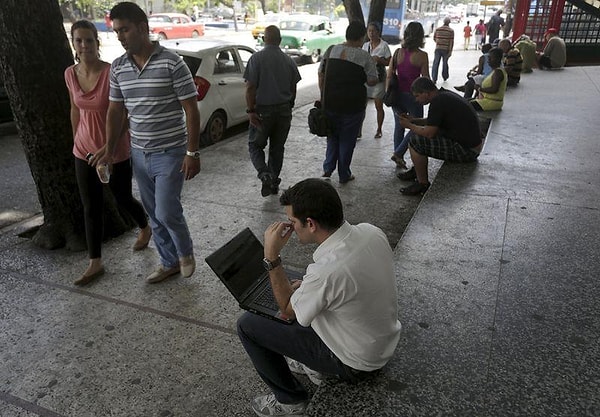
(173, 25)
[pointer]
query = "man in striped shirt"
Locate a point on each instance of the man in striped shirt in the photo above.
(444, 42)
(155, 90)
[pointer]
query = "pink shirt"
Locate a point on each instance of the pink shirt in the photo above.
(90, 134)
(407, 72)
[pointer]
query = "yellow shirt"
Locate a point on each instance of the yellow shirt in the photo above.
(493, 101)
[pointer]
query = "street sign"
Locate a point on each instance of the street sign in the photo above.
(492, 2)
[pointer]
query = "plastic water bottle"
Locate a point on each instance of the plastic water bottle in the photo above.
(103, 173)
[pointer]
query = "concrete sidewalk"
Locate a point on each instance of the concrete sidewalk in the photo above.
(496, 277)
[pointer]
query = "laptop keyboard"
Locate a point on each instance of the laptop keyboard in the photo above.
(266, 298)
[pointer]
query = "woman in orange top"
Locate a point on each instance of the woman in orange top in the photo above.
(88, 84)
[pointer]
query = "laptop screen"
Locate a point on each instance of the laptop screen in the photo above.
(239, 262)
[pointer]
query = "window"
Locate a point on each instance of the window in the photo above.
(226, 62)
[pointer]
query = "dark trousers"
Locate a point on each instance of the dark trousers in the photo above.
(440, 55)
(92, 196)
(274, 127)
(268, 341)
(341, 142)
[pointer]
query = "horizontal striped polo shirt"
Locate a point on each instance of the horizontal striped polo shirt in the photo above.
(444, 38)
(152, 97)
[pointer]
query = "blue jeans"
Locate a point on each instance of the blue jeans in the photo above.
(275, 125)
(160, 181)
(407, 104)
(341, 143)
(443, 55)
(267, 342)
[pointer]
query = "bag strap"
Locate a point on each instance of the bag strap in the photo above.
(326, 58)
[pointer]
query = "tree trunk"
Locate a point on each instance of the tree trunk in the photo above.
(34, 52)
(354, 11)
(376, 11)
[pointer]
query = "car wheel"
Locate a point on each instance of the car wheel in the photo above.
(195, 34)
(162, 36)
(215, 128)
(314, 57)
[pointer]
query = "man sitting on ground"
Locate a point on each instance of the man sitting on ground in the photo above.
(346, 307)
(450, 132)
(555, 51)
(512, 62)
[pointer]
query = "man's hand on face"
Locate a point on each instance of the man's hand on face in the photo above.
(276, 237)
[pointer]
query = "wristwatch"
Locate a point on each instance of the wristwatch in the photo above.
(195, 154)
(271, 265)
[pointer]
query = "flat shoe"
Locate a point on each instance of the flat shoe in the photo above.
(161, 274)
(141, 242)
(86, 279)
(415, 189)
(377, 135)
(409, 175)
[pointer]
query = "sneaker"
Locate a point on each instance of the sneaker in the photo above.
(161, 274)
(409, 175)
(460, 88)
(267, 405)
(326, 176)
(267, 183)
(415, 189)
(301, 369)
(187, 265)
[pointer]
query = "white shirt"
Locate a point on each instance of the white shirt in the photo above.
(349, 298)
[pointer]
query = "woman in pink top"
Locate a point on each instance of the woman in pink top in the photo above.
(88, 84)
(411, 63)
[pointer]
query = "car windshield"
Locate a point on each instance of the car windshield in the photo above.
(294, 25)
(159, 19)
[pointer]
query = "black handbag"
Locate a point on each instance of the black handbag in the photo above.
(318, 122)
(390, 98)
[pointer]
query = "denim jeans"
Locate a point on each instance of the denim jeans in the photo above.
(160, 181)
(341, 143)
(267, 342)
(275, 125)
(443, 55)
(407, 103)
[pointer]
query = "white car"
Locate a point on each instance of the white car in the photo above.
(218, 68)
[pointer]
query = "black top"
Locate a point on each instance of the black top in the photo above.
(455, 117)
(345, 90)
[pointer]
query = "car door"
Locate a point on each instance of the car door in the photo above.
(229, 82)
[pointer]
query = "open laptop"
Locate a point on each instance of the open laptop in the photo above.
(239, 265)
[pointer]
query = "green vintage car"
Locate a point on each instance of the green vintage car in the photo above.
(307, 36)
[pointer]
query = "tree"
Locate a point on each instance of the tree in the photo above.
(376, 11)
(34, 52)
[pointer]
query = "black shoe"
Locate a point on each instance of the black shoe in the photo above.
(415, 189)
(460, 88)
(267, 184)
(350, 178)
(275, 186)
(409, 175)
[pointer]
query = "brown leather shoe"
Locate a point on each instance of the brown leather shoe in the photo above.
(142, 240)
(86, 279)
(161, 274)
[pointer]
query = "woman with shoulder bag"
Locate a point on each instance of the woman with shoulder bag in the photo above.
(380, 52)
(411, 63)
